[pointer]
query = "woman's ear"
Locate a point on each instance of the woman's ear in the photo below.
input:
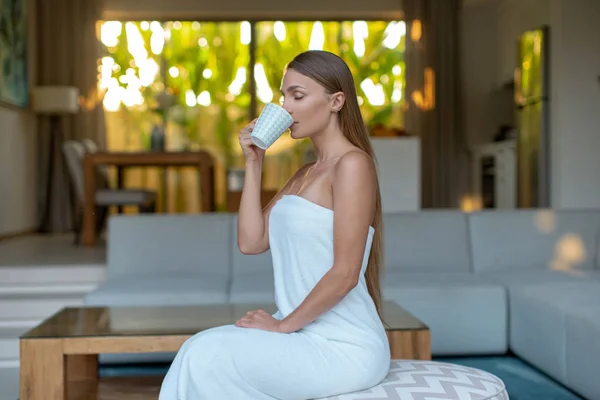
(337, 102)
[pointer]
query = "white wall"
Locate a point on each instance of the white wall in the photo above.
(480, 112)
(399, 169)
(18, 163)
(574, 93)
(18, 209)
(515, 17)
(577, 137)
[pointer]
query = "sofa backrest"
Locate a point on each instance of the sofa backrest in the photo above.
(248, 264)
(169, 243)
(426, 241)
(597, 263)
(534, 239)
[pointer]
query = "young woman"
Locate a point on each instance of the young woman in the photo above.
(324, 233)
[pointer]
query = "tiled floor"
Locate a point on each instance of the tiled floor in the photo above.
(48, 250)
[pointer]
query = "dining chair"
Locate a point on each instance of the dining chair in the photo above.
(102, 178)
(104, 197)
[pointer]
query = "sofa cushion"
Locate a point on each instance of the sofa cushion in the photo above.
(150, 244)
(247, 264)
(426, 241)
(541, 239)
(538, 321)
(467, 314)
(161, 289)
(511, 278)
(403, 279)
(252, 288)
(583, 349)
(598, 254)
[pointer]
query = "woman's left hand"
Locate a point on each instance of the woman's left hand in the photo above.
(259, 319)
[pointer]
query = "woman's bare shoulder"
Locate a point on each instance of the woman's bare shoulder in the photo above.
(355, 161)
(355, 188)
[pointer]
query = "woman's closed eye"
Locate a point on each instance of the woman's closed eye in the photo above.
(295, 98)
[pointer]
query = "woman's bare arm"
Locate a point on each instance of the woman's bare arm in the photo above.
(253, 222)
(354, 201)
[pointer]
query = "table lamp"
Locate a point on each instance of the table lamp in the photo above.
(54, 101)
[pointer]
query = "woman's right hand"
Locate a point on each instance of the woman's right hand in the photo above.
(251, 151)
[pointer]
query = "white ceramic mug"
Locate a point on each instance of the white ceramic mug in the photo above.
(273, 121)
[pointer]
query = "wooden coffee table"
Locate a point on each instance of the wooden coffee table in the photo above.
(59, 357)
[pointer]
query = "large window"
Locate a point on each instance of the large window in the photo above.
(193, 78)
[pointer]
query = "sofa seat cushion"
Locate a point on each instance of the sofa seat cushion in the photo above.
(538, 314)
(583, 349)
(160, 289)
(252, 288)
(414, 379)
(466, 313)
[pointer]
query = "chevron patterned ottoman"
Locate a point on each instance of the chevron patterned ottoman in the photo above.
(424, 380)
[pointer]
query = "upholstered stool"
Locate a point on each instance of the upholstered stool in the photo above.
(417, 380)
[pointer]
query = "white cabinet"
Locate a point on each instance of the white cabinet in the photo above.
(494, 175)
(399, 160)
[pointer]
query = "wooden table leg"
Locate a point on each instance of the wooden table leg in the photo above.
(120, 184)
(89, 209)
(207, 187)
(82, 367)
(410, 344)
(42, 369)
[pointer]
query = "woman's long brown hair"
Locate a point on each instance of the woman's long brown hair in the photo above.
(331, 72)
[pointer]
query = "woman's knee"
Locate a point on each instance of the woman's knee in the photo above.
(205, 345)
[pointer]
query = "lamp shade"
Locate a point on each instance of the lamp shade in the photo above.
(55, 99)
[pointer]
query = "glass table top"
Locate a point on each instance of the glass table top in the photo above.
(78, 322)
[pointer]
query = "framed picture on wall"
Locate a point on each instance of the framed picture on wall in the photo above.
(13, 53)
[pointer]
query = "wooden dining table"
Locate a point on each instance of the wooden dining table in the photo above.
(202, 160)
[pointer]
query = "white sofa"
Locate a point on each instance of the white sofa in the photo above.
(487, 282)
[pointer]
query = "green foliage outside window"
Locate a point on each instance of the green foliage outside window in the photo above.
(204, 68)
(192, 78)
